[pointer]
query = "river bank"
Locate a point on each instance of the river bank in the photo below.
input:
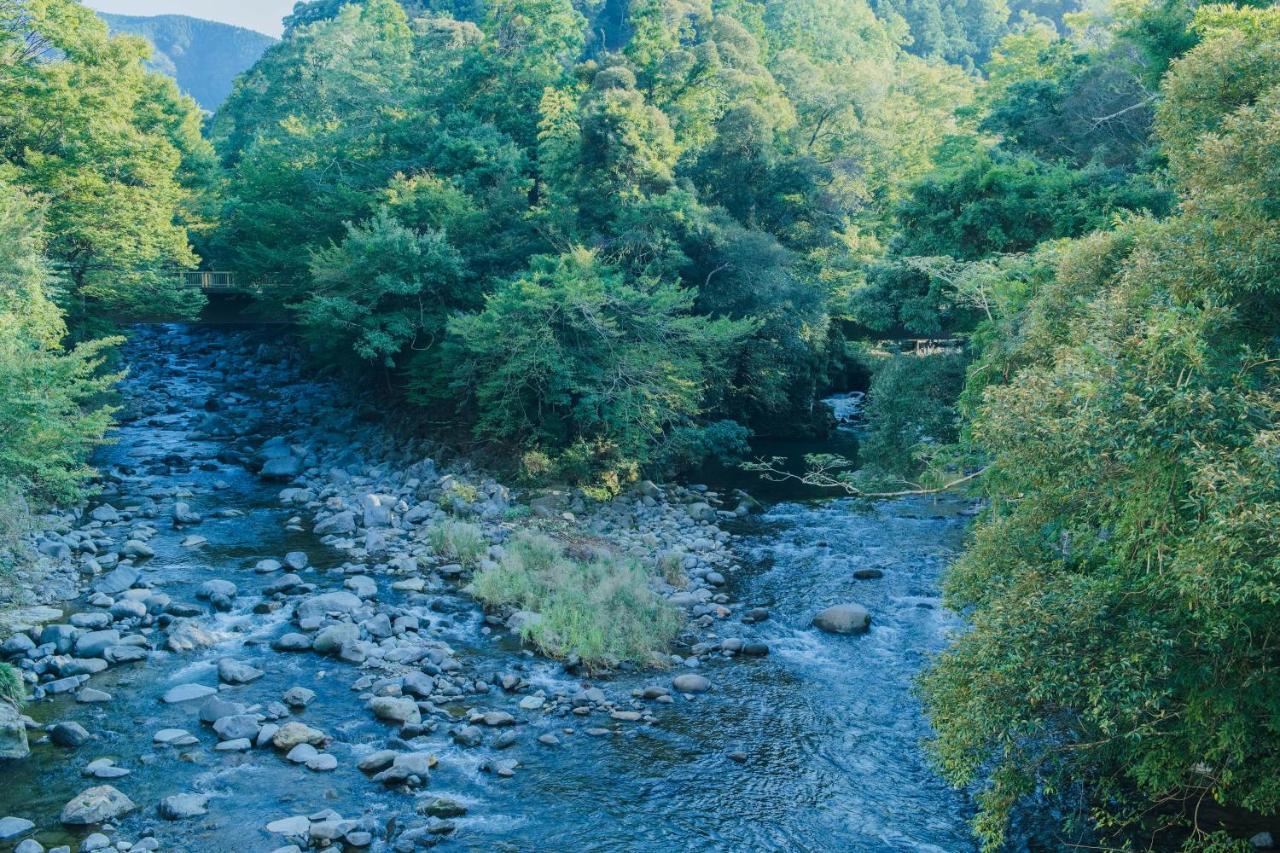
(344, 690)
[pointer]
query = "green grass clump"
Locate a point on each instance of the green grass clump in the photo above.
(458, 540)
(11, 688)
(601, 610)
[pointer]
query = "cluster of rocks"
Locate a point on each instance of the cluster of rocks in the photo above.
(377, 611)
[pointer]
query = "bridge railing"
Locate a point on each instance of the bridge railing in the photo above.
(917, 346)
(209, 279)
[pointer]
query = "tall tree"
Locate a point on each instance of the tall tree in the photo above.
(115, 148)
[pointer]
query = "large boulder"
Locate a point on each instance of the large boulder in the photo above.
(396, 709)
(691, 682)
(183, 806)
(293, 733)
(118, 581)
(282, 468)
(331, 639)
(235, 672)
(329, 602)
(339, 522)
(96, 805)
(844, 619)
(13, 734)
(94, 644)
(408, 768)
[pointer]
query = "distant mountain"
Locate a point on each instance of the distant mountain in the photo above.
(203, 56)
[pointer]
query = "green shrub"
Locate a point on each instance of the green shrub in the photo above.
(590, 370)
(11, 688)
(911, 409)
(601, 610)
(458, 540)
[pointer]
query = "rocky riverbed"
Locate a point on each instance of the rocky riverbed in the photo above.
(250, 641)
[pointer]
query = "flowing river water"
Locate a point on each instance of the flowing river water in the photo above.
(826, 729)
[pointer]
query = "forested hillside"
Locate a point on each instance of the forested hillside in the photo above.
(203, 56)
(596, 242)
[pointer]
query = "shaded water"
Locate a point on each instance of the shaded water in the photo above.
(829, 728)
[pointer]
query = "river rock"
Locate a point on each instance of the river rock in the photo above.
(12, 827)
(468, 736)
(339, 522)
(237, 726)
(338, 601)
(136, 549)
(330, 640)
(298, 697)
(93, 644)
(19, 645)
(376, 762)
(186, 636)
(13, 733)
(691, 682)
(104, 768)
(293, 733)
(208, 589)
(183, 515)
(96, 805)
(292, 642)
(281, 468)
(91, 696)
(397, 709)
(843, 619)
(105, 513)
(232, 671)
(124, 654)
(183, 806)
(69, 734)
(296, 560)
(90, 621)
(173, 737)
(297, 825)
(408, 768)
(441, 807)
(187, 692)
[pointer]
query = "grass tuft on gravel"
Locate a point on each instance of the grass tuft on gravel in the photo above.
(601, 609)
(11, 688)
(458, 540)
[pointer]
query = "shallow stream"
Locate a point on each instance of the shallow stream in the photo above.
(828, 725)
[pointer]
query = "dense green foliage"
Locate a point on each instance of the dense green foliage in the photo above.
(114, 148)
(48, 416)
(204, 57)
(602, 259)
(610, 238)
(1122, 585)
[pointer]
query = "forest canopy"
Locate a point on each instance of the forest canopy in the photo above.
(606, 240)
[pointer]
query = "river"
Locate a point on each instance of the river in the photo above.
(815, 747)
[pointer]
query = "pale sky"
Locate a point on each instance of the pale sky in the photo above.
(261, 15)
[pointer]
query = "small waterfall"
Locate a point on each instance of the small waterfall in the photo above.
(847, 407)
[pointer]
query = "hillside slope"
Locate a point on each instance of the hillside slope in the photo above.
(203, 56)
